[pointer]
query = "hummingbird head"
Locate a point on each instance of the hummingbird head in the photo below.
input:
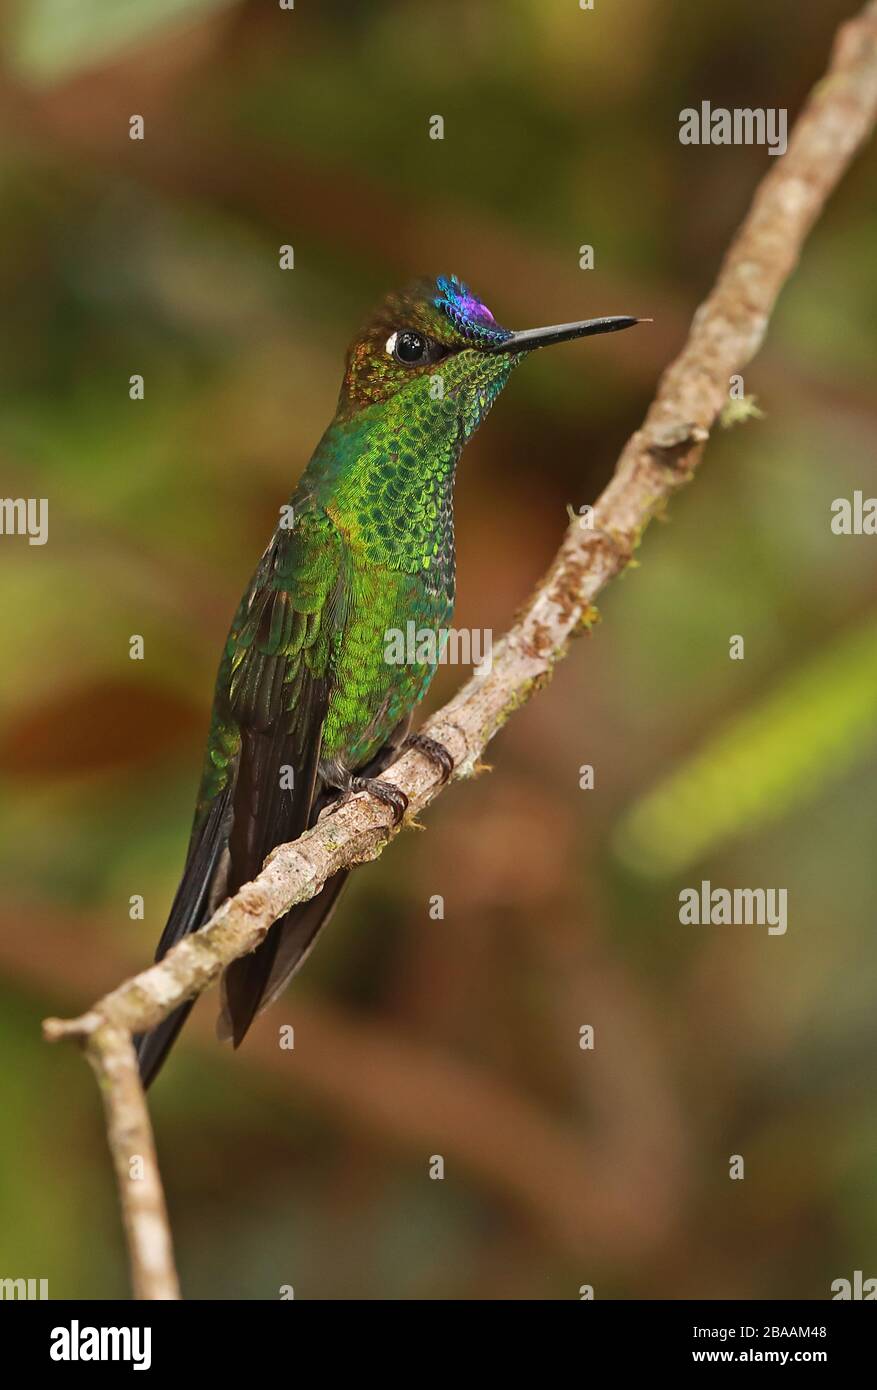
(436, 347)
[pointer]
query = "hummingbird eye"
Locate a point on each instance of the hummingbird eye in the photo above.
(413, 349)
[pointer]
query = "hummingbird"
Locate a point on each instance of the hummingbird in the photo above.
(307, 709)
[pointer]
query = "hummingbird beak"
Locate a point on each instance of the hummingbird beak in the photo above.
(532, 338)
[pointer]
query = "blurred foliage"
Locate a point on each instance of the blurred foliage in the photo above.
(768, 761)
(54, 37)
(459, 1036)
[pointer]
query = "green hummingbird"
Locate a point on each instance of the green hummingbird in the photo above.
(307, 707)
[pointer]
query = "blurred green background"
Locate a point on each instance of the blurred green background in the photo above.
(413, 1036)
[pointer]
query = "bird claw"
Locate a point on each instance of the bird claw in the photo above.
(385, 792)
(436, 752)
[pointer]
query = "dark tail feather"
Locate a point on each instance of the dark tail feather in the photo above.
(190, 910)
(152, 1048)
(253, 982)
(250, 984)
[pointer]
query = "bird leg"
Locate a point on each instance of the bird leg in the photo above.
(385, 792)
(436, 752)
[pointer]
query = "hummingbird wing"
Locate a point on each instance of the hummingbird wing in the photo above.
(280, 679)
(279, 695)
(270, 706)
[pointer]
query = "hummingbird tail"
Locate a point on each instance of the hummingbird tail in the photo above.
(191, 908)
(152, 1048)
(250, 984)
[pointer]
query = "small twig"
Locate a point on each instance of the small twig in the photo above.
(727, 331)
(129, 1133)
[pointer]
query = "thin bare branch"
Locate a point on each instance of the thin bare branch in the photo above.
(129, 1133)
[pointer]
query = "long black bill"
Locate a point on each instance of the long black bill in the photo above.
(532, 338)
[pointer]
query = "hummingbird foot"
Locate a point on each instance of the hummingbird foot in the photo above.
(385, 792)
(436, 752)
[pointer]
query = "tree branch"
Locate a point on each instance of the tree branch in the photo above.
(129, 1134)
(660, 457)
